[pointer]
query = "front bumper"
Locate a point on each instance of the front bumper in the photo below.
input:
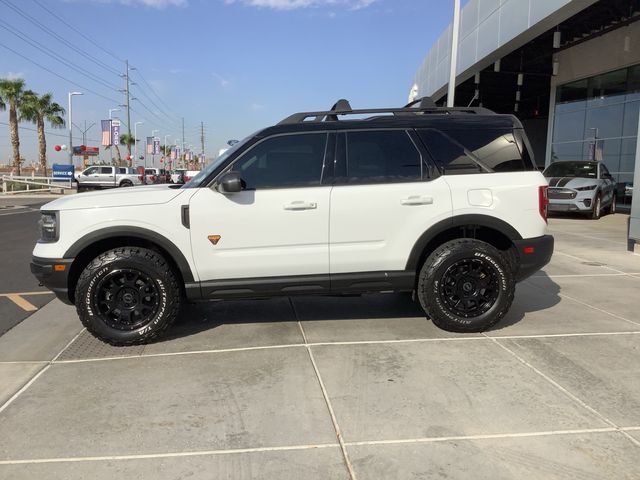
(51, 274)
(534, 253)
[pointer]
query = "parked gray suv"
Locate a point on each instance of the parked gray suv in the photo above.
(584, 187)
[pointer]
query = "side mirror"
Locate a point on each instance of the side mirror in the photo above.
(230, 183)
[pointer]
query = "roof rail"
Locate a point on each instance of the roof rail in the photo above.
(342, 107)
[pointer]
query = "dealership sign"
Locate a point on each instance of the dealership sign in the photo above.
(62, 172)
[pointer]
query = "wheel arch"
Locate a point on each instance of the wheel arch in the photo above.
(490, 229)
(93, 244)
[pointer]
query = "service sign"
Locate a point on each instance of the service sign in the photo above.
(62, 172)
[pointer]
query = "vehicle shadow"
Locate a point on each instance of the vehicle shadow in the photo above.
(530, 298)
(203, 316)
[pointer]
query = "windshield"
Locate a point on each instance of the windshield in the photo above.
(197, 181)
(572, 169)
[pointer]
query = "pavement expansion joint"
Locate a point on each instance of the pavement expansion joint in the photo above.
(69, 355)
(400, 441)
(566, 392)
(334, 419)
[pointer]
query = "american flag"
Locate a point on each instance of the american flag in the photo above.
(149, 145)
(106, 132)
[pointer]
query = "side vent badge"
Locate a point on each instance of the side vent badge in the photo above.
(214, 239)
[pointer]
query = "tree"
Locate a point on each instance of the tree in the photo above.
(128, 140)
(37, 109)
(11, 92)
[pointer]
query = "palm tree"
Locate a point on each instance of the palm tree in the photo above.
(38, 109)
(128, 140)
(11, 92)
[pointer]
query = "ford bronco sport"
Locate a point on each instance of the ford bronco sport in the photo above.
(443, 202)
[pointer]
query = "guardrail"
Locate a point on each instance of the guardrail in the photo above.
(33, 184)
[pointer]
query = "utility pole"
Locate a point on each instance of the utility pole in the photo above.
(201, 144)
(126, 100)
(182, 151)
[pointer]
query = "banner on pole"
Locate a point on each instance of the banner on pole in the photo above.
(115, 132)
(149, 149)
(156, 146)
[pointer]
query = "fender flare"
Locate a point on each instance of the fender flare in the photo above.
(458, 221)
(137, 232)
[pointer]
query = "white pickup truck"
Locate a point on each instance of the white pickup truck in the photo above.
(99, 176)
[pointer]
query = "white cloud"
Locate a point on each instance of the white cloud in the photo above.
(159, 4)
(13, 75)
(223, 81)
(257, 106)
(296, 4)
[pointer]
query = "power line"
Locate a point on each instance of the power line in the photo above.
(77, 31)
(153, 90)
(47, 30)
(52, 133)
(57, 74)
(56, 57)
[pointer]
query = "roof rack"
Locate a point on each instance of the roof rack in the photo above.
(425, 105)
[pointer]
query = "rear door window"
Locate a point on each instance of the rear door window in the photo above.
(379, 156)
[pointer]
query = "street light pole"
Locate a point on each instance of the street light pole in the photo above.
(71, 94)
(135, 138)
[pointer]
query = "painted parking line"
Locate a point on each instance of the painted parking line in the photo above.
(21, 302)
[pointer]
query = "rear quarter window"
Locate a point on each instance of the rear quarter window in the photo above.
(477, 150)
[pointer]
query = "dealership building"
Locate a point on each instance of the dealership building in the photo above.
(568, 69)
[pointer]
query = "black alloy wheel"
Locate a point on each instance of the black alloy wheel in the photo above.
(126, 299)
(469, 287)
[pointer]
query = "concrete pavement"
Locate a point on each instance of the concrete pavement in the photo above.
(353, 387)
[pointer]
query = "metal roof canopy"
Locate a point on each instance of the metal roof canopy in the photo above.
(535, 61)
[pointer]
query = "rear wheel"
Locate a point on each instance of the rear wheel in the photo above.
(466, 285)
(127, 296)
(126, 183)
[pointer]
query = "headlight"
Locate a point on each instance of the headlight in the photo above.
(49, 227)
(588, 187)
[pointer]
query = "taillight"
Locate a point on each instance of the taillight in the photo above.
(140, 177)
(186, 179)
(543, 201)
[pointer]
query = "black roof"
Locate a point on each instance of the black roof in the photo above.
(424, 115)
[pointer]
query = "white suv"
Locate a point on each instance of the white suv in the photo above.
(446, 203)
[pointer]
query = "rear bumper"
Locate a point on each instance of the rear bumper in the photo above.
(539, 253)
(55, 279)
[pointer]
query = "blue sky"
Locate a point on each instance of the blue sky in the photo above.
(236, 65)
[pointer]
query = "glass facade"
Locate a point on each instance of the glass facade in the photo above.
(597, 119)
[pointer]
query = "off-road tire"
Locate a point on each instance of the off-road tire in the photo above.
(434, 271)
(149, 264)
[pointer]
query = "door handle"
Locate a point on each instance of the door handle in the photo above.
(300, 205)
(417, 200)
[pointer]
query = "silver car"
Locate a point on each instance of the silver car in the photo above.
(584, 187)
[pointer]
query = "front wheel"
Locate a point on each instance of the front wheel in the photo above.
(596, 212)
(127, 296)
(466, 285)
(612, 207)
